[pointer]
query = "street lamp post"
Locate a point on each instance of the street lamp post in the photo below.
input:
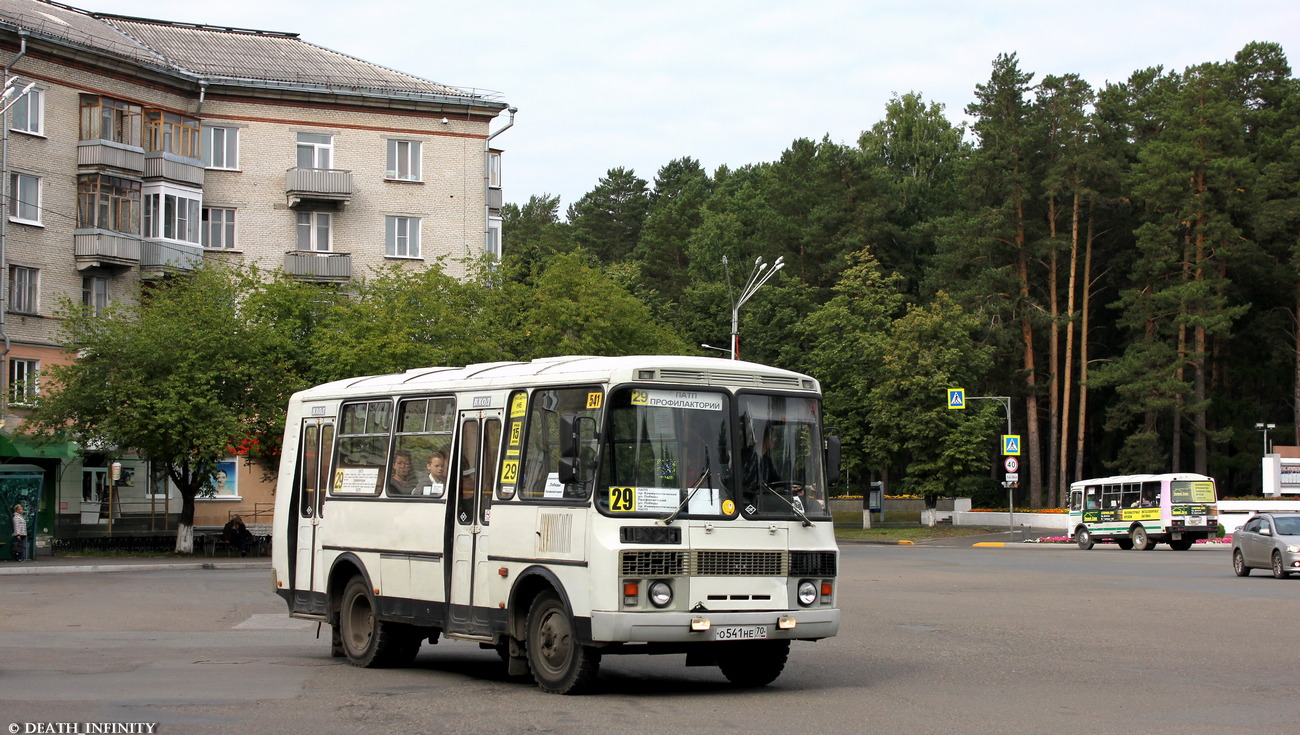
(1264, 428)
(757, 277)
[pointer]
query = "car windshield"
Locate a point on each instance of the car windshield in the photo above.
(1287, 526)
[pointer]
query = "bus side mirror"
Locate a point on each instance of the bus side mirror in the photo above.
(832, 460)
(576, 433)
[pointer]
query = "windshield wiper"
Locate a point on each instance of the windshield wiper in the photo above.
(797, 510)
(698, 482)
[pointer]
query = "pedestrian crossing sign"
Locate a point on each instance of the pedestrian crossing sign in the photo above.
(956, 398)
(1011, 445)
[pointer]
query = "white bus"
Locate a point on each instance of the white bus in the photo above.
(1140, 511)
(560, 510)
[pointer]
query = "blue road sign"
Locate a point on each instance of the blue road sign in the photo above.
(1011, 445)
(956, 398)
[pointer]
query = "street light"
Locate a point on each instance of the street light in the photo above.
(719, 349)
(757, 277)
(1264, 428)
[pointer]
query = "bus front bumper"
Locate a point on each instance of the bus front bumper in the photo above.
(685, 627)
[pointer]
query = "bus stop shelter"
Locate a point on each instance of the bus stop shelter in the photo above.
(19, 483)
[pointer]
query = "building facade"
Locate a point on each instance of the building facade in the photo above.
(134, 149)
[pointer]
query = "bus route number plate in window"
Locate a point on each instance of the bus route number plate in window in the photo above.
(739, 633)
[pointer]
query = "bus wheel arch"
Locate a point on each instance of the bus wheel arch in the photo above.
(560, 662)
(530, 583)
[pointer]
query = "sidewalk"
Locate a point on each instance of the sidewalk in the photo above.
(84, 564)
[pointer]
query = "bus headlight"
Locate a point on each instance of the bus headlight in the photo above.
(807, 593)
(660, 593)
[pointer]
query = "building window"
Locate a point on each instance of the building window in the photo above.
(27, 112)
(315, 151)
(22, 381)
(23, 289)
(402, 237)
(494, 237)
(104, 118)
(25, 198)
(109, 203)
(172, 215)
(314, 231)
(403, 160)
(94, 294)
(221, 148)
(171, 133)
(218, 228)
(494, 169)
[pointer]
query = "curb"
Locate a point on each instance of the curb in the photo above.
(38, 568)
(874, 542)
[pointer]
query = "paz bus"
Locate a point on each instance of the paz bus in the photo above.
(1140, 511)
(561, 510)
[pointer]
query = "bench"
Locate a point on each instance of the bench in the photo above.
(213, 540)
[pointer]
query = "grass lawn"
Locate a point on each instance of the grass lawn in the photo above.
(916, 532)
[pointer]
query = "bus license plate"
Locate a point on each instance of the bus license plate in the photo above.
(1196, 520)
(740, 633)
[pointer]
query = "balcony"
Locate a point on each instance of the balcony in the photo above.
(107, 154)
(318, 267)
(317, 185)
(160, 258)
(105, 249)
(169, 166)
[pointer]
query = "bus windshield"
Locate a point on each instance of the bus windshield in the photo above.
(781, 458)
(1192, 491)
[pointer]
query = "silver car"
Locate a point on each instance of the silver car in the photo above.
(1267, 541)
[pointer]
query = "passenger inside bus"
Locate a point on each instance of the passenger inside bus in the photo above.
(435, 482)
(401, 478)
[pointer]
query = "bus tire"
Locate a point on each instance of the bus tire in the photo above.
(1181, 545)
(560, 664)
(753, 663)
(1141, 541)
(367, 642)
(1239, 564)
(1279, 571)
(1084, 538)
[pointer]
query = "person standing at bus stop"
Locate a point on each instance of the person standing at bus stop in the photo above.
(20, 533)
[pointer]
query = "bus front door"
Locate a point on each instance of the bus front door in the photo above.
(309, 505)
(474, 471)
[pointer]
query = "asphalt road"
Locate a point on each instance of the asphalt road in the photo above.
(934, 639)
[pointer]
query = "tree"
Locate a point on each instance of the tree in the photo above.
(607, 220)
(133, 387)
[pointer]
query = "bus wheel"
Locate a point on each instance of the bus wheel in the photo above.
(560, 664)
(1141, 541)
(1084, 538)
(1239, 564)
(367, 642)
(1279, 571)
(1182, 545)
(753, 663)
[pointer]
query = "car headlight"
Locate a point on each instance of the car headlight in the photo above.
(660, 593)
(807, 593)
(1293, 549)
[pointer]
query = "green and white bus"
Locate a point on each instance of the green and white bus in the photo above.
(561, 510)
(1140, 511)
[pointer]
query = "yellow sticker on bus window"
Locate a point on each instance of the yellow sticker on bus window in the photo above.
(728, 507)
(518, 405)
(1202, 492)
(622, 499)
(516, 432)
(509, 471)
(640, 397)
(593, 400)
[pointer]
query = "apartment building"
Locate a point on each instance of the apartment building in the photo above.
(135, 148)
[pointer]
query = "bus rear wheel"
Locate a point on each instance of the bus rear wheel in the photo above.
(1141, 541)
(559, 662)
(1084, 538)
(368, 642)
(753, 663)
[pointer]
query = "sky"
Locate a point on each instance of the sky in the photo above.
(609, 84)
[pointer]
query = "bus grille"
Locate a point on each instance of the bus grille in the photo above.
(713, 563)
(812, 563)
(654, 563)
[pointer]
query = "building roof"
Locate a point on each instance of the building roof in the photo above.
(227, 56)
